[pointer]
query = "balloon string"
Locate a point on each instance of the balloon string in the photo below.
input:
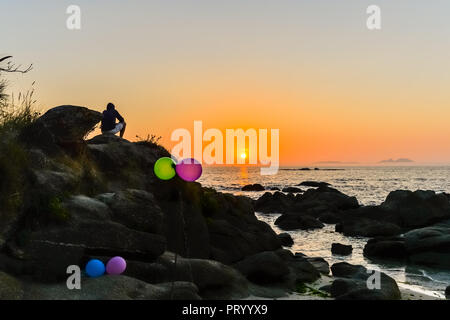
(186, 250)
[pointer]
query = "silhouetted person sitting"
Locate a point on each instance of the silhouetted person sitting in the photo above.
(109, 124)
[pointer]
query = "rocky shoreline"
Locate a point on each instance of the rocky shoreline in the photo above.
(81, 199)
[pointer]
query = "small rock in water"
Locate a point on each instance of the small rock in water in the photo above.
(320, 264)
(285, 239)
(447, 292)
(341, 249)
(314, 184)
(293, 222)
(253, 187)
(292, 189)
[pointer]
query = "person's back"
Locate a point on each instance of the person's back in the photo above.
(109, 125)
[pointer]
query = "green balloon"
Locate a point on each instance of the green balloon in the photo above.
(165, 168)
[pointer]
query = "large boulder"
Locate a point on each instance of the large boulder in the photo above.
(136, 209)
(264, 267)
(286, 239)
(213, 279)
(70, 123)
(50, 250)
(302, 268)
(124, 164)
(253, 187)
(341, 249)
(53, 182)
(320, 264)
(353, 284)
(82, 207)
(416, 209)
(230, 243)
(234, 230)
(314, 184)
(324, 195)
(292, 221)
(64, 126)
(184, 224)
(277, 202)
(367, 227)
(392, 248)
(401, 211)
(292, 190)
(429, 245)
(113, 288)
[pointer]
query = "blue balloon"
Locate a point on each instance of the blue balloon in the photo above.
(95, 268)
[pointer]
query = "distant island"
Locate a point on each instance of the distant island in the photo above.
(335, 162)
(399, 160)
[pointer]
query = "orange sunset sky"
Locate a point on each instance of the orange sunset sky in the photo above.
(335, 90)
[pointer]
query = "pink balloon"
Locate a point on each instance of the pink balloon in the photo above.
(189, 169)
(116, 266)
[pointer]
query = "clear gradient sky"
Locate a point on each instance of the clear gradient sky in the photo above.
(312, 69)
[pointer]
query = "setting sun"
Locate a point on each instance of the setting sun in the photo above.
(243, 155)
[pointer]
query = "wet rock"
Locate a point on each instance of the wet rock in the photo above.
(264, 267)
(253, 187)
(341, 249)
(367, 228)
(301, 269)
(386, 248)
(113, 288)
(417, 209)
(286, 239)
(320, 264)
(213, 279)
(294, 221)
(314, 184)
(430, 245)
(292, 190)
(277, 202)
(330, 197)
(353, 284)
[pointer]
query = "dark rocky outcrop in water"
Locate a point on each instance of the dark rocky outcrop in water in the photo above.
(312, 202)
(302, 211)
(292, 190)
(285, 239)
(314, 184)
(352, 284)
(401, 211)
(424, 246)
(292, 221)
(253, 187)
(319, 263)
(392, 248)
(341, 249)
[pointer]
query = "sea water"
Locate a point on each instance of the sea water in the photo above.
(370, 185)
